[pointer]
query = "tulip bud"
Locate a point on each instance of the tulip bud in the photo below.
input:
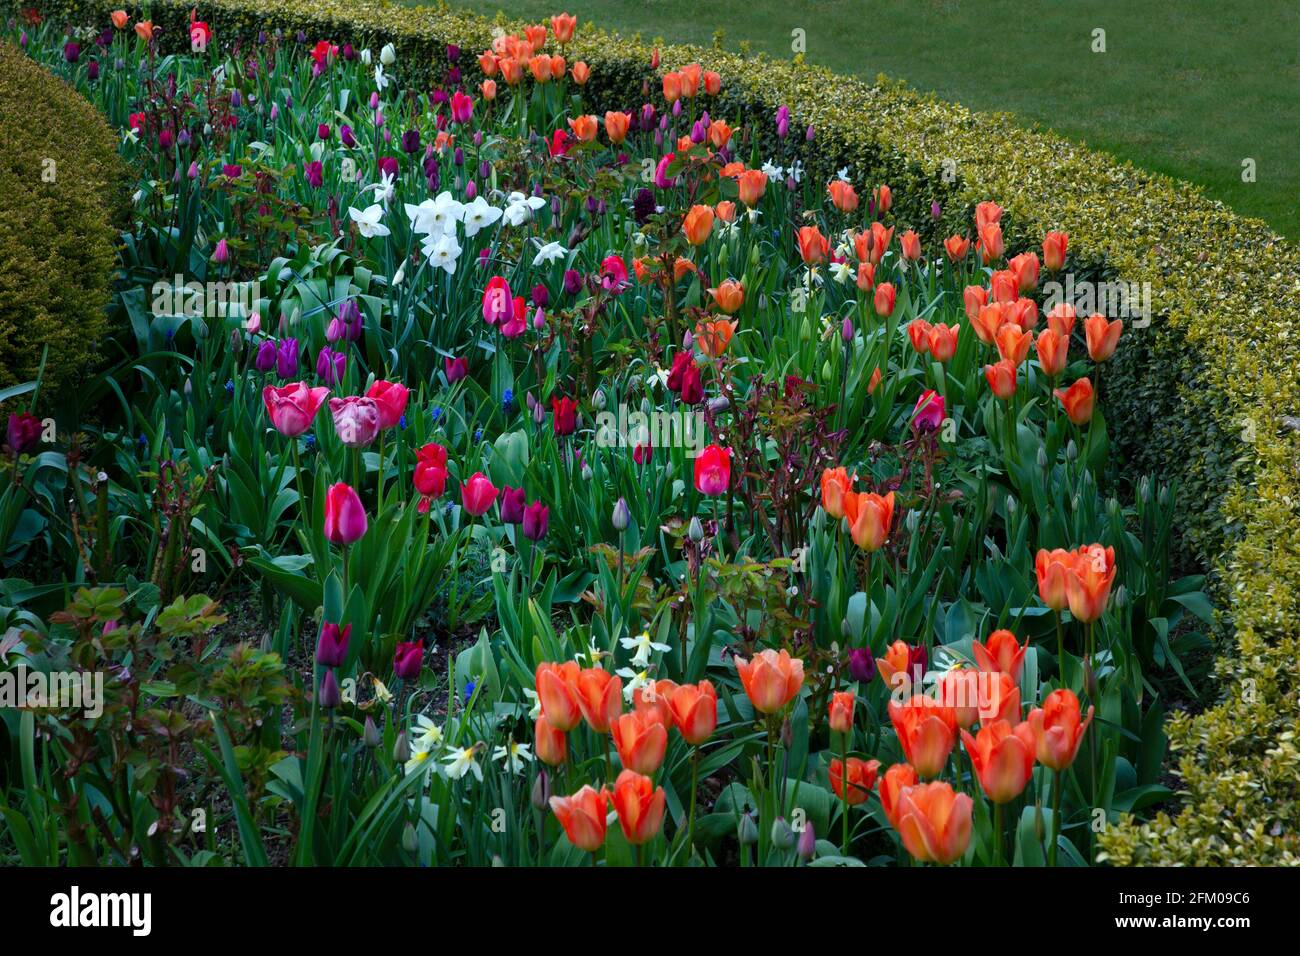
(410, 842)
(621, 515)
(370, 734)
(807, 847)
(586, 472)
(401, 749)
(1121, 597)
(787, 734)
(598, 400)
(1042, 457)
(1112, 507)
(1089, 679)
(329, 696)
(695, 530)
(783, 837)
(1011, 506)
(719, 404)
(846, 330)
(541, 795)
(1071, 450)
(747, 830)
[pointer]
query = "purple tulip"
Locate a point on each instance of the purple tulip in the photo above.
(862, 665)
(265, 360)
(330, 366)
(315, 174)
(286, 358)
(23, 432)
(512, 505)
(332, 646)
(536, 518)
(408, 659)
(346, 137)
(329, 696)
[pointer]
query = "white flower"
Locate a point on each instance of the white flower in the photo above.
(796, 171)
(367, 220)
(546, 254)
(520, 208)
(644, 645)
(420, 760)
(593, 655)
(463, 761)
(130, 135)
(841, 272)
(388, 55)
(430, 734)
(843, 174)
(633, 681)
(443, 252)
(366, 57)
(381, 81)
(754, 215)
(773, 172)
(399, 275)
(536, 710)
(382, 694)
(383, 189)
(513, 755)
(658, 377)
(479, 215)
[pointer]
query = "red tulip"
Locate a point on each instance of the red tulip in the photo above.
(391, 397)
(345, 516)
(478, 494)
(713, 471)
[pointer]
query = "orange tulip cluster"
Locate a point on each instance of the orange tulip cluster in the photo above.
(686, 82)
(511, 54)
(870, 516)
(569, 695)
(1079, 579)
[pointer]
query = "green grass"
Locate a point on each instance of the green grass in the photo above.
(1188, 88)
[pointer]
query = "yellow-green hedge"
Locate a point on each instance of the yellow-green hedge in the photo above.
(1200, 396)
(61, 186)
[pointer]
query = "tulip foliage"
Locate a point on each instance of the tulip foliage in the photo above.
(600, 489)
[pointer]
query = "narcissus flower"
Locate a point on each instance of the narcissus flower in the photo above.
(1089, 580)
(926, 732)
(861, 779)
(934, 822)
(870, 518)
(557, 693)
(835, 484)
(1057, 730)
(1102, 336)
(345, 516)
(1002, 757)
(1000, 652)
(1077, 400)
(583, 817)
(694, 710)
(641, 741)
(713, 471)
(640, 807)
(771, 679)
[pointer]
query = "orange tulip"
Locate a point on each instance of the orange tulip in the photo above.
(870, 517)
(752, 183)
(1054, 245)
(1053, 352)
(1002, 757)
(1057, 730)
(1102, 336)
(583, 817)
(843, 196)
(654, 700)
(1088, 584)
(685, 143)
(934, 822)
(712, 82)
(600, 697)
(897, 779)
(911, 245)
(557, 68)
(714, 337)
(841, 711)
(943, 341)
(987, 321)
(956, 247)
(813, 246)
(866, 276)
(681, 266)
(1061, 319)
(640, 807)
(897, 659)
(1003, 286)
(581, 73)
(861, 778)
(691, 76)
(987, 213)
(1052, 568)
(672, 85)
(872, 245)
(488, 63)
(549, 743)
(719, 134)
(729, 295)
(540, 67)
(512, 70)
(918, 333)
(698, 224)
(974, 298)
(616, 126)
(884, 198)
(120, 19)
(584, 128)
(1013, 343)
(144, 30)
(695, 711)
(1078, 401)
(926, 732)
(1025, 268)
(991, 245)
(836, 483)
(1002, 378)
(999, 698)
(1023, 312)
(556, 686)
(960, 689)
(884, 299)
(725, 210)
(771, 679)
(489, 90)
(562, 25)
(1002, 652)
(641, 741)
(536, 35)
(875, 381)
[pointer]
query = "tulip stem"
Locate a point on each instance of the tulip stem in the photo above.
(1060, 650)
(1056, 817)
(695, 781)
(844, 790)
(997, 835)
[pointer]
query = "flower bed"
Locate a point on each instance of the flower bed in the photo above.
(902, 147)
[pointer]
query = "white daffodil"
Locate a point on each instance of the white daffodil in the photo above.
(513, 755)
(421, 760)
(443, 252)
(479, 214)
(754, 215)
(643, 646)
(381, 81)
(841, 272)
(382, 694)
(520, 208)
(536, 710)
(633, 681)
(548, 253)
(129, 135)
(429, 734)
(773, 172)
(592, 655)
(463, 761)
(433, 217)
(843, 174)
(795, 171)
(367, 220)
(383, 190)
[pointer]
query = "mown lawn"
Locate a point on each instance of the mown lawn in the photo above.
(1190, 88)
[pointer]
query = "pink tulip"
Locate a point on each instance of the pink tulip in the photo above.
(345, 517)
(478, 494)
(292, 407)
(356, 420)
(391, 397)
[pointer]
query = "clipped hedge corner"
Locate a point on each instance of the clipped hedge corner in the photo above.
(61, 188)
(1202, 396)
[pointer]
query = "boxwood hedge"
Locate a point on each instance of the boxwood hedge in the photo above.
(1204, 395)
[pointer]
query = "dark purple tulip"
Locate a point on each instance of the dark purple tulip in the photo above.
(23, 433)
(453, 75)
(323, 131)
(453, 53)
(235, 100)
(809, 135)
(332, 647)
(456, 368)
(346, 137)
(265, 360)
(166, 139)
(936, 210)
(536, 518)
(411, 141)
(315, 174)
(231, 170)
(330, 366)
(540, 295)
(512, 505)
(329, 696)
(72, 51)
(388, 166)
(862, 665)
(286, 358)
(92, 70)
(408, 659)
(572, 281)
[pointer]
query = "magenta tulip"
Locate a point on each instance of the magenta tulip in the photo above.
(477, 494)
(292, 407)
(345, 517)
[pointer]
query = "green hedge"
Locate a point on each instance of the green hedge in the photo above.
(61, 188)
(1200, 396)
